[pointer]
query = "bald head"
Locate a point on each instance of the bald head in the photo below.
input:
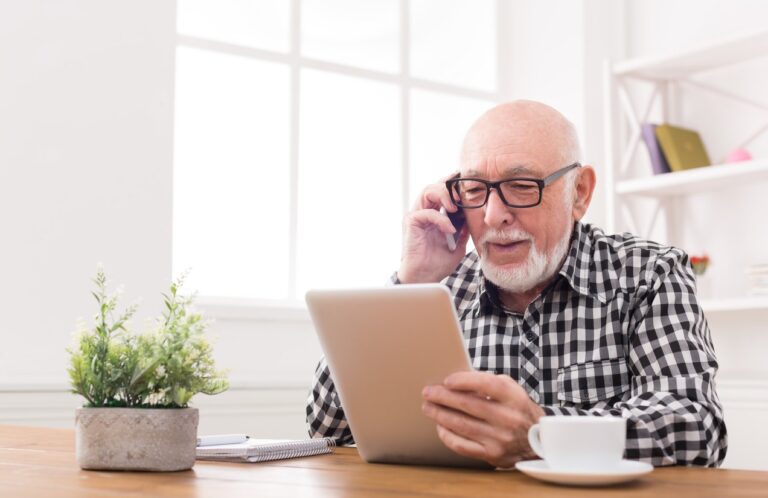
(523, 125)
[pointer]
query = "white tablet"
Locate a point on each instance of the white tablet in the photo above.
(382, 347)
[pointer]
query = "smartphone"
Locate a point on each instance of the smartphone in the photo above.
(457, 220)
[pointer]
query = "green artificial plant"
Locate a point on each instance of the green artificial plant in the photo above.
(163, 368)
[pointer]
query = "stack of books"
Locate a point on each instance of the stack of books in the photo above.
(672, 148)
(757, 276)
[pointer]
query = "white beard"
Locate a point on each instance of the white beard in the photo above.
(537, 268)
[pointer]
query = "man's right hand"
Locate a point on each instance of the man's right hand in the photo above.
(426, 257)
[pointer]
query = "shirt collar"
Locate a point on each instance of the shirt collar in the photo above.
(575, 271)
(578, 267)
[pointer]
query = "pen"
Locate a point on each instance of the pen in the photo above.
(221, 439)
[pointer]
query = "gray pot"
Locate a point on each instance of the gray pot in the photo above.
(153, 439)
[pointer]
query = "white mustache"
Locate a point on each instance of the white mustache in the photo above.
(505, 237)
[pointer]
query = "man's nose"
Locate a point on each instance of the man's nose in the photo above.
(496, 212)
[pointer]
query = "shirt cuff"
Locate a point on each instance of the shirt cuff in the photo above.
(563, 410)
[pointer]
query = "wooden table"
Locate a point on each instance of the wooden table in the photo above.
(40, 462)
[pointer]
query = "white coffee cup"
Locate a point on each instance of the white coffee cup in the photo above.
(579, 443)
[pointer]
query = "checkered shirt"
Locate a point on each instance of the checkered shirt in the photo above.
(618, 332)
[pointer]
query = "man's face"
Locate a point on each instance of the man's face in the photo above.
(519, 248)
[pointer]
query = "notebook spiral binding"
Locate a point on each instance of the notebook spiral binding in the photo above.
(276, 450)
(296, 449)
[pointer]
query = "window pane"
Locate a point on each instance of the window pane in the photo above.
(454, 41)
(349, 182)
(261, 24)
(363, 34)
(438, 125)
(231, 174)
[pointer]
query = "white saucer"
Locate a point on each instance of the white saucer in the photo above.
(626, 470)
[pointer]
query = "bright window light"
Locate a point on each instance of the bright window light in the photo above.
(454, 41)
(263, 24)
(438, 124)
(292, 172)
(231, 174)
(362, 34)
(349, 182)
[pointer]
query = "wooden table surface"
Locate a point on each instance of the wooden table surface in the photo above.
(40, 462)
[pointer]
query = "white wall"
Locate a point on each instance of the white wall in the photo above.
(658, 26)
(86, 98)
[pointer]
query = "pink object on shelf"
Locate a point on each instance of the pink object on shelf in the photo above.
(737, 155)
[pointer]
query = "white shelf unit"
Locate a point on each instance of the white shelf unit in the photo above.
(628, 174)
(682, 65)
(737, 304)
(694, 181)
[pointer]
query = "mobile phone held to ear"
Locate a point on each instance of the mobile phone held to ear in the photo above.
(457, 220)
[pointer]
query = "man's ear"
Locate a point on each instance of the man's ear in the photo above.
(585, 186)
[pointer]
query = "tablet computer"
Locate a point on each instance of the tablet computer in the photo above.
(383, 346)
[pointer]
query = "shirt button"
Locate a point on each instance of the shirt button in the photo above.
(530, 336)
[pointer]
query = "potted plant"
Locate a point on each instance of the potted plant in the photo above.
(699, 264)
(138, 387)
(703, 284)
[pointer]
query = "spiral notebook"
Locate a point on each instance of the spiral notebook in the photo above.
(262, 450)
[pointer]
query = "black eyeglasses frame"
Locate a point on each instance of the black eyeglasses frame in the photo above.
(541, 182)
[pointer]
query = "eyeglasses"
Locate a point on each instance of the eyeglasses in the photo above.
(514, 192)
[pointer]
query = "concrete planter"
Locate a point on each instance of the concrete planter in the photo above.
(136, 438)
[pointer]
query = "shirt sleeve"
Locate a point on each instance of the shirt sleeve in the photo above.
(325, 416)
(674, 416)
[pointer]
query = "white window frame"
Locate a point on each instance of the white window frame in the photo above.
(293, 309)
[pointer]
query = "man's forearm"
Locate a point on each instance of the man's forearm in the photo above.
(665, 429)
(325, 417)
(673, 412)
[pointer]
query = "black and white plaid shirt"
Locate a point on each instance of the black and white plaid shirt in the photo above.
(619, 332)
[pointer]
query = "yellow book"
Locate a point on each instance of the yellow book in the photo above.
(682, 148)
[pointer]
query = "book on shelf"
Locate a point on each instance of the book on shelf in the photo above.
(682, 147)
(757, 276)
(658, 161)
(262, 450)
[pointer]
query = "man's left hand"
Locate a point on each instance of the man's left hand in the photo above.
(484, 416)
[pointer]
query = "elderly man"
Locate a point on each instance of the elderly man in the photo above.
(559, 318)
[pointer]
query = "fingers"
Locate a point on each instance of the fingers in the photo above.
(423, 218)
(464, 435)
(464, 402)
(485, 448)
(426, 255)
(435, 196)
(459, 423)
(498, 387)
(482, 415)
(459, 444)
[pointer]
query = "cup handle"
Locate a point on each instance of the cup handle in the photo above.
(534, 441)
